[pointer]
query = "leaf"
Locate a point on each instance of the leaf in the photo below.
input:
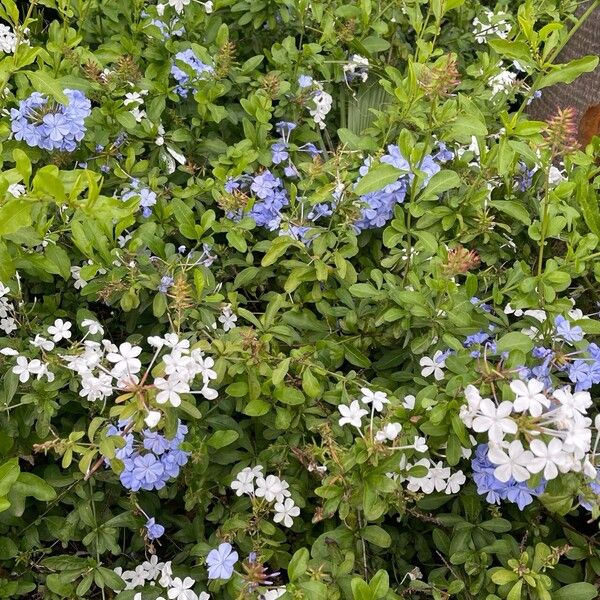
(29, 484)
(356, 357)
(289, 395)
(576, 591)
(588, 203)
(380, 584)
(568, 72)
(14, 215)
(256, 408)
(377, 535)
(298, 564)
(222, 438)
(515, 50)
(277, 249)
(515, 340)
(440, 183)
(45, 84)
(360, 589)
(9, 472)
(185, 218)
(377, 178)
(512, 209)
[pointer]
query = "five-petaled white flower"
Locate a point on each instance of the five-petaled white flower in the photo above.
(529, 396)
(285, 511)
(377, 398)
(513, 463)
(61, 330)
(178, 5)
(435, 365)
(352, 414)
(548, 458)
(494, 419)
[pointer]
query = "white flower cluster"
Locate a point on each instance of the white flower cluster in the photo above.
(496, 26)
(104, 367)
(322, 105)
(152, 572)
(8, 322)
(179, 5)
(438, 478)
(227, 318)
(251, 482)
(503, 82)
(357, 68)
(8, 39)
(136, 101)
(554, 421)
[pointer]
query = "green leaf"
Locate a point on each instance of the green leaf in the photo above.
(222, 438)
(576, 591)
(512, 209)
(185, 218)
(29, 484)
(380, 584)
(256, 408)
(355, 356)
(515, 50)
(377, 178)
(14, 215)
(9, 473)
(440, 183)
(515, 340)
(568, 72)
(42, 82)
(377, 535)
(360, 589)
(298, 564)
(289, 395)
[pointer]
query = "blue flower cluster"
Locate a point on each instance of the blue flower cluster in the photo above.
(150, 464)
(146, 195)
(50, 125)
(483, 339)
(483, 475)
(194, 64)
(379, 205)
(154, 530)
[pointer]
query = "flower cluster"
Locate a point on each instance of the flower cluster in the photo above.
(146, 195)
(438, 478)
(149, 462)
(8, 322)
(8, 39)
(104, 367)
(357, 68)
(543, 429)
(378, 206)
(494, 25)
(273, 490)
(193, 70)
(49, 125)
(154, 573)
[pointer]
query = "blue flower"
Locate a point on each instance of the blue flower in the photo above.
(148, 470)
(565, 332)
(221, 562)
(155, 530)
(165, 283)
(279, 152)
(305, 81)
(195, 70)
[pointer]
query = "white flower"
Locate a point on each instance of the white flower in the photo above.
(273, 594)
(160, 9)
(420, 444)
(96, 388)
(170, 390)
(152, 567)
(126, 361)
(409, 402)
(8, 324)
(389, 432)
(227, 319)
(9, 352)
(323, 102)
(24, 368)
(165, 575)
(61, 330)
(244, 482)
(548, 458)
(42, 342)
(435, 365)
(529, 396)
(555, 175)
(512, 464)
(502, 82)
(454, 482)
(79, 281)
(579, 401)
(285, 512)
(92, 326)
(8, 39)
(208, 7)
(352, 414)
(152, 418)
(494, 420)
(270, 488)
(178, 6)
(377, 398)
(182, 589)
(16, 189)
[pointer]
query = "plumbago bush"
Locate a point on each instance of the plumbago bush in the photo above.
(296, 302)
